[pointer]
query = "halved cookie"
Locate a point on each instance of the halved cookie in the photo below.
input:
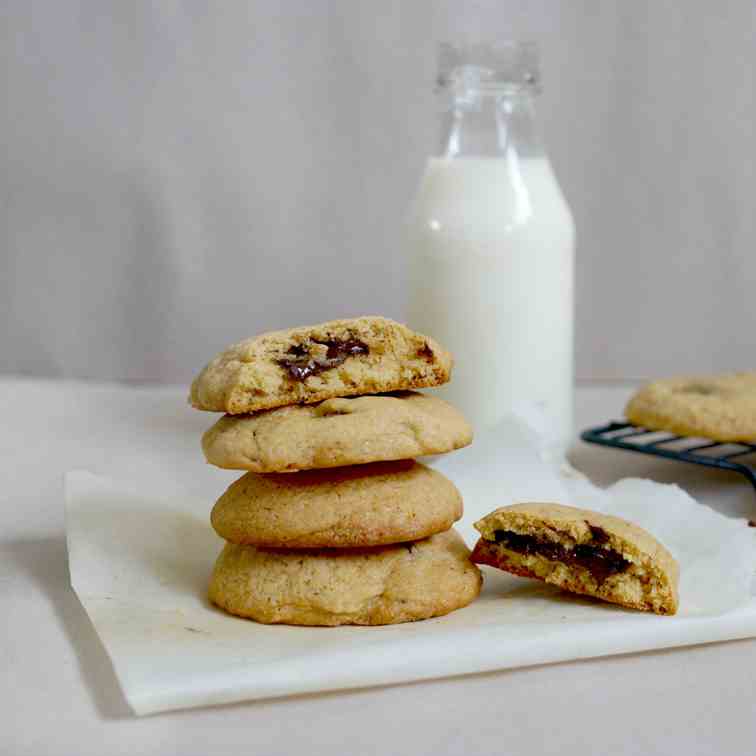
(719, 407)
(582, 552)
(378, 586)
(343, 507)
(336, 432)
(368, 355)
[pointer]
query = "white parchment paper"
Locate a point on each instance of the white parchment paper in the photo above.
(140, 564)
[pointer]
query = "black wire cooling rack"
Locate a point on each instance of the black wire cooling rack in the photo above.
(697, 451)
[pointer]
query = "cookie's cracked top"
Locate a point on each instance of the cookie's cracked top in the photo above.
(363, 505)
(337, 432)
(366, 355)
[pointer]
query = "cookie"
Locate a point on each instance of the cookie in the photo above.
(722, 407)
(368, 355)
(582, 552)
(377, 586)
(364, 505)
(336, 432)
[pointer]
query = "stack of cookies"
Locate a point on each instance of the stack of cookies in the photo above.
(335, 522)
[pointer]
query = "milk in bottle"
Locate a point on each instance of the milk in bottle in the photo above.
(491, 244)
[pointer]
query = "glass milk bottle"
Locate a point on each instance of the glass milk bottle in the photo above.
(491, 243)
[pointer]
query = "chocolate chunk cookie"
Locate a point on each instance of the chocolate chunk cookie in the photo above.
(336, 432)
(582, 552)
(377, 586)
(364, 505)
(722, 407)
(368, 355)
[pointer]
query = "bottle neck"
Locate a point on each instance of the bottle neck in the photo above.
(490, 124)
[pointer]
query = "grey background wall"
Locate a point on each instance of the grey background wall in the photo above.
(178, 175)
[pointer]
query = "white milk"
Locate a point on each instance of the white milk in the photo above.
(491, 258)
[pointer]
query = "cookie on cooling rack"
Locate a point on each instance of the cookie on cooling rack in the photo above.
(719, 407)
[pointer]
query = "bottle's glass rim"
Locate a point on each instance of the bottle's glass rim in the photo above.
(506, 65)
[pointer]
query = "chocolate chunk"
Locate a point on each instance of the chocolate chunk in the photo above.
(426, 352)
(298, 350)
(301, 365)
(600, 562)
(752, 523)
(599, 534)
(299, 371)
(340, 350)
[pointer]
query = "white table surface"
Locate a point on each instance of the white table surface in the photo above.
(58, 694)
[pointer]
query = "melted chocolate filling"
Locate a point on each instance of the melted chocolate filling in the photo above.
(300, 364)
(600, 562)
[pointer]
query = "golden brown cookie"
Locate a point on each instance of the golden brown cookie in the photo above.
(364, 505)
(377, 586)
(720, 407)
(367, 355)
(582, 552)
(337, 432)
